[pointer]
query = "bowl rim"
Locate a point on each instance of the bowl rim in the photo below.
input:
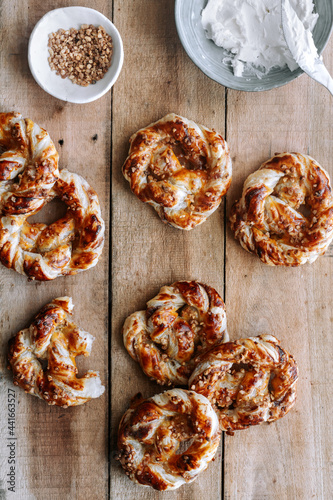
(235, 86)
(116, 40)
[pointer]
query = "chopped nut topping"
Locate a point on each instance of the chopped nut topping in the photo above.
(83, 55)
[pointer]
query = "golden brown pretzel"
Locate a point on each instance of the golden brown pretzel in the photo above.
(28, 165)
(154, 433)
(52, 338)
(180, 168)
(181, 320)
(248, 382)
(268, 219)
(69, 245)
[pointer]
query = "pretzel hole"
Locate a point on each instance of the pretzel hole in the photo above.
(305, 210)
(184, 446)
(275, 236)
(238, 367)
(185, 161)
(44, 364)
(80, 365)
(50, 213)
(270, 386)
(15, 180)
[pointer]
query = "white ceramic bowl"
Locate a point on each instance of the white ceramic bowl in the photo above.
(209, 57)
(64, 89)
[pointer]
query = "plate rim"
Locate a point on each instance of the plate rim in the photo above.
(59, 95)
(196, 60)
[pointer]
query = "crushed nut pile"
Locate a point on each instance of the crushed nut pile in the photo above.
(83, 55)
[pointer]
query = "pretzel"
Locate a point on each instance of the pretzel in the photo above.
(154, 434)
(248, 382)
(28, 165)
(69, 245)
(52, 338)
(179, 322)
(180, 168)
(269, 219)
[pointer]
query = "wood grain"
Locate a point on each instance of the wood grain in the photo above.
(157, 78)
(290, 458)
(59, 453)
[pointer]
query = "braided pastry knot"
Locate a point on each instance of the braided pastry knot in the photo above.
(285, 214)
(167, 440)
(69, 245)
(248, 382)
(179, 322)
(28, 165)
(180, 168)
(52, 339)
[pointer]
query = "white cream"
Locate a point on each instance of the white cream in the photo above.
(251, 31)
(299, 39)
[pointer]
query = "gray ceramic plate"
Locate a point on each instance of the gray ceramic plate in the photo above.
(209, 58)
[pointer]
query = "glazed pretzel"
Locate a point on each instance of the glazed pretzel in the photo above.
(248, 382)
(69, 245)
(180, 168)
(28, 165)
(51, 337)
(179, 322)
(268, 220)
(153, 432)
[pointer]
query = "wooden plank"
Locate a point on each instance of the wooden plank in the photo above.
(157, 78)
(290, 458)
(63, 454)
(60, 454)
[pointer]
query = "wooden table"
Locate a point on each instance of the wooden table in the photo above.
(69, 453)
